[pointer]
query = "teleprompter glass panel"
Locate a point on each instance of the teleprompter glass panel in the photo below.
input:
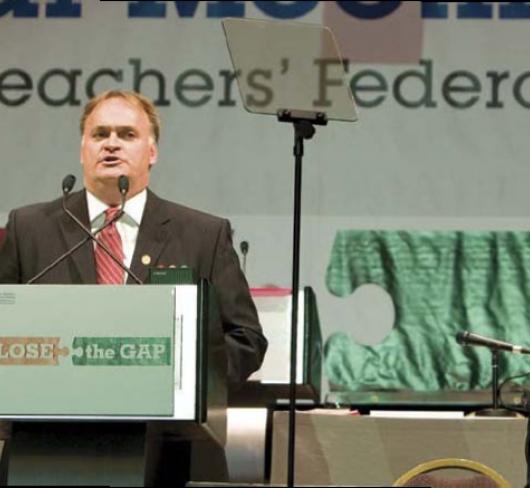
(289, 66)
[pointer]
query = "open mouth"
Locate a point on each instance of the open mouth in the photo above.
(110, 160)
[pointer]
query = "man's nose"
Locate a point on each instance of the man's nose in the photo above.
(113, 141)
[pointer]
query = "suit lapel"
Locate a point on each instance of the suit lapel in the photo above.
(152, 236)
(83, 258)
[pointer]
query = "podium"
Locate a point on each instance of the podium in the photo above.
(84, 369)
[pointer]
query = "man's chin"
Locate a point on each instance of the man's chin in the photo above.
(111, 172)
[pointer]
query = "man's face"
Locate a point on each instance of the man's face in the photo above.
(117, 140)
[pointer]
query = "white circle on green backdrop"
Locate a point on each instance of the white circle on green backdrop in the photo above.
(372, 314)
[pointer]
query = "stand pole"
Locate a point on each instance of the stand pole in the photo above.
(302, 130)
(303, 124)
(495, 378)
(496, 411)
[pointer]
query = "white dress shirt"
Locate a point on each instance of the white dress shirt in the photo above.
(127, 225)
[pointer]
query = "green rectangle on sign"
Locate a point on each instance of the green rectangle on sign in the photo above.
(122, 351)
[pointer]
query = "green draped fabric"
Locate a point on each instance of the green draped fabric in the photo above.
(441, 282)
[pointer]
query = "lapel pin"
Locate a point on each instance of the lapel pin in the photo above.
(146, 260)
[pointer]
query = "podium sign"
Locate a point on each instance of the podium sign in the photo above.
(104, 351)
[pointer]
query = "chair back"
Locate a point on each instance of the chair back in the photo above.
(435, 473)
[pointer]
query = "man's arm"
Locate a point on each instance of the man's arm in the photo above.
(243, 333)
(9, 259)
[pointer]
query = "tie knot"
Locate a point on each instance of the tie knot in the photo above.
(110, 213)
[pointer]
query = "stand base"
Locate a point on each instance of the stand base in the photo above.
(495, 412)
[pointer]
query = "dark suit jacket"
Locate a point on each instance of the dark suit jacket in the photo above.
(170, 234)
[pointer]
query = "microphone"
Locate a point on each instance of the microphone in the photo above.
(67, 186)
(466, 338)
(243, 247)
(123, 185)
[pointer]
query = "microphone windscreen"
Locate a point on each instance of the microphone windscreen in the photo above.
(123, 184)
(461, 337)
(244, 247)
(68, 183)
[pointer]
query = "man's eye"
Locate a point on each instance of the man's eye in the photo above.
(127, 134)
(100, 134)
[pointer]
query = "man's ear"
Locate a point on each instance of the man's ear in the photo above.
(153, 154)
(81, 150)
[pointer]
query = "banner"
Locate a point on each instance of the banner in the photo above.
(439, 283)
(443, 92)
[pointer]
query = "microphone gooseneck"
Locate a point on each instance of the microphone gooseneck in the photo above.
(67, 186)
(123, 186)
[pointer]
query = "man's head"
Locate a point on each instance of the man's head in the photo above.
(119, 135)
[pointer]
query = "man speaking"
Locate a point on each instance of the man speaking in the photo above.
(120, 132)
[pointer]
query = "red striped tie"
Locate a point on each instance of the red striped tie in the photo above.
(107, 270)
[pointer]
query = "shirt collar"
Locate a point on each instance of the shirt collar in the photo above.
(133, 211)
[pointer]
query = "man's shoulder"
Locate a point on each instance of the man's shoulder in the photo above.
(188, 214)
(38, 210)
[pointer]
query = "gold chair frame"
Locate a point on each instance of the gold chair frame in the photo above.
(436, 464)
